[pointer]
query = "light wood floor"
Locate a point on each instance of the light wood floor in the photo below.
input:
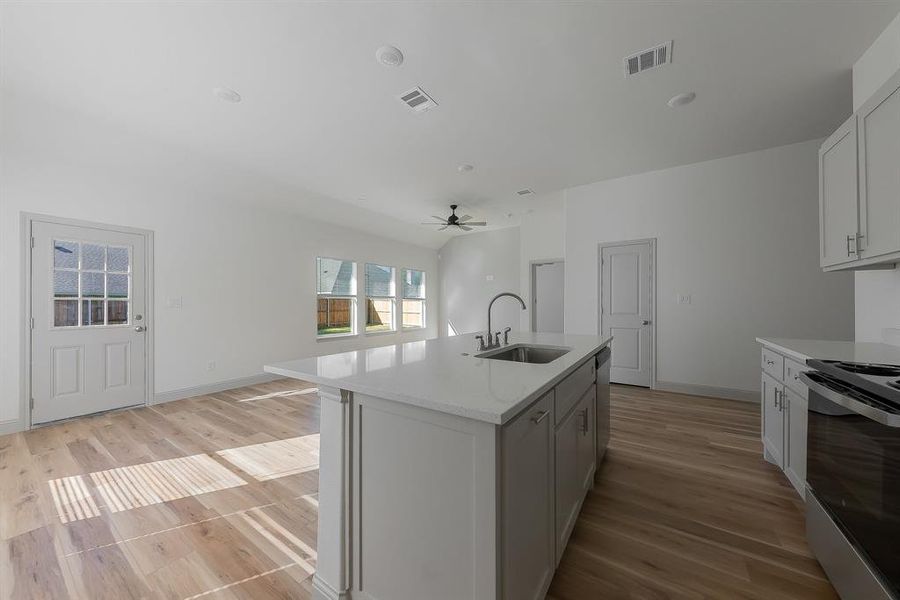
(216, 497)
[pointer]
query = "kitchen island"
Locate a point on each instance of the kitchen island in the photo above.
(447, 474)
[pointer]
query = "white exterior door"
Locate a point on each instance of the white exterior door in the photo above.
(548, 290)
(88, 302)
(626, 304)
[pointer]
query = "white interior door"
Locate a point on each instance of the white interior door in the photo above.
(88, 302)
(548, 297)
(626, 306)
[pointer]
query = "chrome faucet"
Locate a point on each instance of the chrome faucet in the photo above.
(493, 341)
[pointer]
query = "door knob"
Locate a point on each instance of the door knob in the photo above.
(140, 328)
(645, 322)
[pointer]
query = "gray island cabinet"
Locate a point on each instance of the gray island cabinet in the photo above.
(447, 476)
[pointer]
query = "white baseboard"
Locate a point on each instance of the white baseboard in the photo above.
(707, 390)
(13, 426)
(323, 591)
(213, 388)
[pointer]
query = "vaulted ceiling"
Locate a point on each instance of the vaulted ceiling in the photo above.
(532, 94)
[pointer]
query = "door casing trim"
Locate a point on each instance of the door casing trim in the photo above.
(532, 321)
(653, 290)
(25, 346)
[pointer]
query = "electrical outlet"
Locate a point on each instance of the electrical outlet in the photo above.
(211, 365)
(174, 302)
(489, 277)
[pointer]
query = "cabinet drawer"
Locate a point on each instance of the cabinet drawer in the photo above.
(570, 389)
(773, 364)
(792, 370)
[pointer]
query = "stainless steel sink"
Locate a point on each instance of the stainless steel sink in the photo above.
(524, 353)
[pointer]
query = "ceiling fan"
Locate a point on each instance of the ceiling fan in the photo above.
(462, 222)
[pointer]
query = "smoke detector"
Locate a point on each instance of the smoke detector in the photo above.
(389, 56)
(650, 58)
(226, 95)
(417, 100)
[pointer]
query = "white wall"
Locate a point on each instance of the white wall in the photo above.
(877, 292)
(466, 263)
(740, 235)
(245, 271)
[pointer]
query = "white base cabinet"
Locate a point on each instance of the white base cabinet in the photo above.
(783, 408)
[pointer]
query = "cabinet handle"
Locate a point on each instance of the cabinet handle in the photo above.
(540, 416)
(584, 426)
(775, 403)
(855, 239)
(770, 362)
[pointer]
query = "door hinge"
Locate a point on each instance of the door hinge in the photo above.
(31, 403)
(32, 322)
(32, 241)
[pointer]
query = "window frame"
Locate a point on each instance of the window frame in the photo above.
(423, 299)
(391, 298)
(79, 297)
(325, 296)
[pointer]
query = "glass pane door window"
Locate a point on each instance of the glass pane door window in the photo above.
(380, 298)
(413, 301)
(91, 284)
(336, 289)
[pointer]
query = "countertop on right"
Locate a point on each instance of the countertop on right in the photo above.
(803, 350)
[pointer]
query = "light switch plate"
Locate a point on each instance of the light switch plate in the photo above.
(489, 277)
(683, 298)
(173, 302)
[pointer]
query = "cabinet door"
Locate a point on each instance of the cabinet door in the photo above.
(772, 420)
(795, 442)
(528, 525)
(838, 196)
(568, 478)
(879, 171)
(587, 440)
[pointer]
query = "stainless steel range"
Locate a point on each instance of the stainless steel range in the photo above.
(853, 474)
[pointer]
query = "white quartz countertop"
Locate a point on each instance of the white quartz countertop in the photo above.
(436, 374)
(803, 350)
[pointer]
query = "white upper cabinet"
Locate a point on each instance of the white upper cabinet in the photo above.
(879, 172)
(859, 186)
(838, 196)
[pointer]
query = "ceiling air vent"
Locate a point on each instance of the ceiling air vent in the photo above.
(648, 59)
(418, 100)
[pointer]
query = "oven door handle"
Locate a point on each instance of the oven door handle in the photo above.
(876, 414)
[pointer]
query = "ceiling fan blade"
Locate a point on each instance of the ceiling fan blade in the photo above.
(440, 223)
(465, 228)
(443, 228)
(476, 223)
(465, 218)
(442, 219)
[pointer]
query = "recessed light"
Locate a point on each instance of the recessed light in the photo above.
(681, 99)
(389, 56)
(227, 95)
(464, 168)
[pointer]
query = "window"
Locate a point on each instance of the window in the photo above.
(336, 288)
(380, 298)
(91, 284)
(413, 300)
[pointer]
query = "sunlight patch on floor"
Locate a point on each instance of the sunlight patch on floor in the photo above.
(155, 482)
(271, 460)
(285, 394)
(72, 499)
